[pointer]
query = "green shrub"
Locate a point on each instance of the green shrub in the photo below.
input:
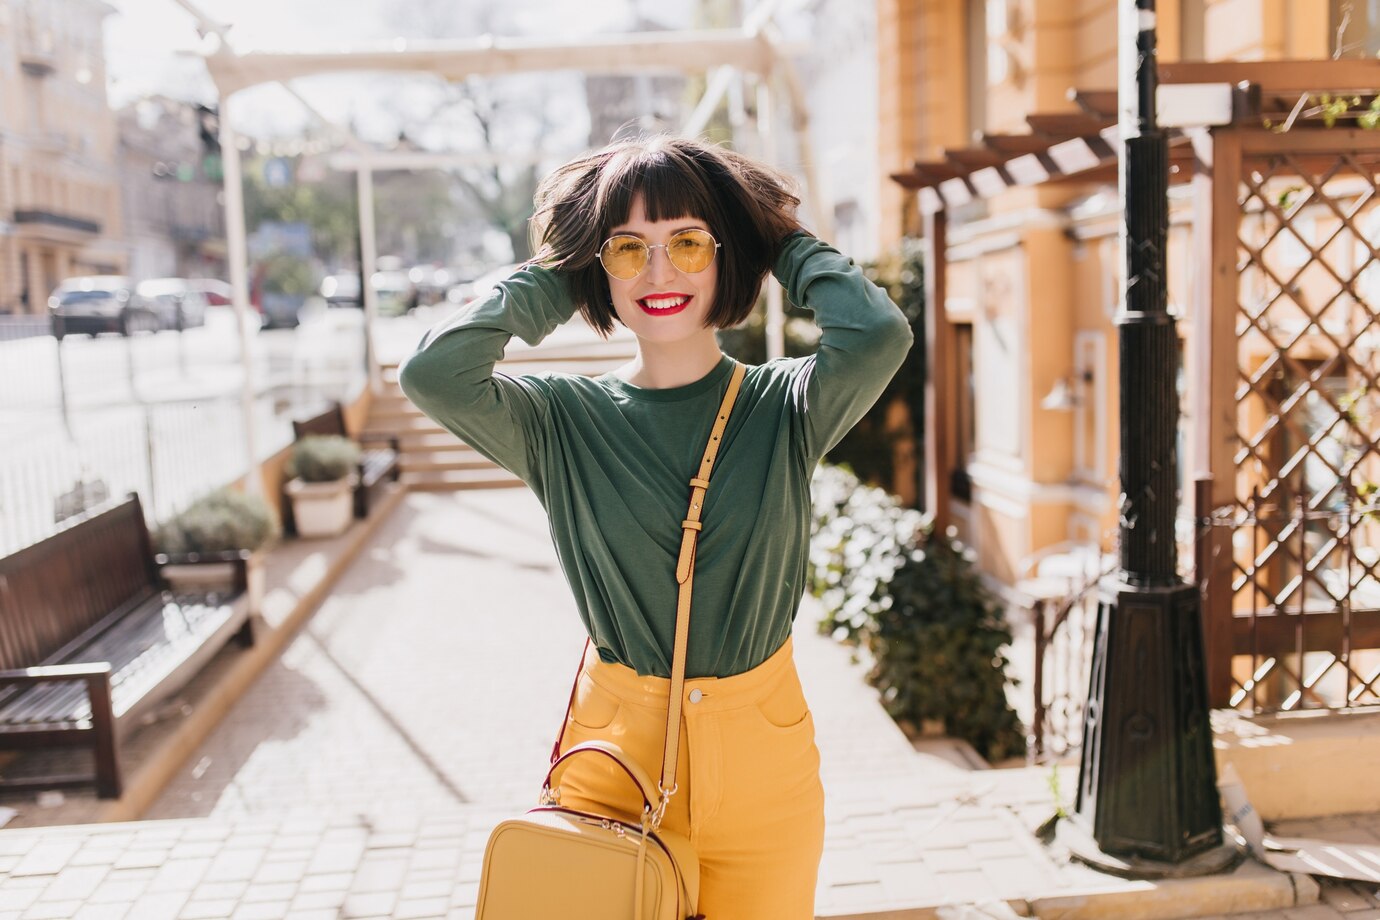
(223, 521)
(912, 599)
(323, 458)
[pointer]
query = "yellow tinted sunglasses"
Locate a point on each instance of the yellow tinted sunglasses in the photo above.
(625, 256)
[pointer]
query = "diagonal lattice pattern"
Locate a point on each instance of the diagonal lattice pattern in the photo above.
(1306, 541)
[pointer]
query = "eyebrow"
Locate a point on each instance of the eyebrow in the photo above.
(640, 236)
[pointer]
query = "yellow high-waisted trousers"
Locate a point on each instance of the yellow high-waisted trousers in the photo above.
(750, 798)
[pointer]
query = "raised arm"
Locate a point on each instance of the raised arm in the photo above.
(864, 339)
(451, 375)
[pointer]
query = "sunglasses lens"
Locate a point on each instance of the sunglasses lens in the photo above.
(691, 251)
(624, 256)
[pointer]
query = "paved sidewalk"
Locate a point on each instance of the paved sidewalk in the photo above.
(360, 775)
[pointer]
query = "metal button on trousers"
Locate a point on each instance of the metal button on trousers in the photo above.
(695, 695)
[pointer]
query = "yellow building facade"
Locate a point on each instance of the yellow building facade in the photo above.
(59, 194)
(1028, 460)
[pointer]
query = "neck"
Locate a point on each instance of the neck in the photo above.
(663, 365)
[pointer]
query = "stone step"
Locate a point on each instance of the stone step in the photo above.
(617, 349)
(435, 460)
(423, 436)
(593, 366)
(455, 480)
(414, 441)
(391, 400)
(385, 418)
(401, 423)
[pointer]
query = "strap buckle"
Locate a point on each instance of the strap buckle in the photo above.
(660, 812)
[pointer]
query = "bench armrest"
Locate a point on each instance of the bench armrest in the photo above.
(379, 437)
(239, 558)
(229, 555)
(98, 671)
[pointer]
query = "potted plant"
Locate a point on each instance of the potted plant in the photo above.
(323, 470)
(216, 544)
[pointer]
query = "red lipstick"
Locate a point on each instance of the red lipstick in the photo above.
(664, 303)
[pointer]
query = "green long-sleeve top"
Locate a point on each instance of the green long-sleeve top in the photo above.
(611, 462)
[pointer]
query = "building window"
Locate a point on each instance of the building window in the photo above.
(964, 388)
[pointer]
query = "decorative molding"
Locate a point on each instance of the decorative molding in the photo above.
(1025, 219)
(997, 487)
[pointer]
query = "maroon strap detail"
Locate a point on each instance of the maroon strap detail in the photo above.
(642, 790)
(556, 748)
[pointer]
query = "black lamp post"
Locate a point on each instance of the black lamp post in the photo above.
(1147, 787)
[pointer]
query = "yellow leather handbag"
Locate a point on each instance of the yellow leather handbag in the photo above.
(560, 862)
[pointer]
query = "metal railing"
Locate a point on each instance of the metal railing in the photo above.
(1053, 617)
(1305, 628)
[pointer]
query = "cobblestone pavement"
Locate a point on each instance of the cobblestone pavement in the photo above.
(360, 776)
(431, 677)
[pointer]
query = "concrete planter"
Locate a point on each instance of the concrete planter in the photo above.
(322, 509)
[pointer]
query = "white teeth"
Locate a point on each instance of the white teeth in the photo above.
(664, 303)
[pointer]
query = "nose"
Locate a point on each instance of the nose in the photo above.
(659, 267)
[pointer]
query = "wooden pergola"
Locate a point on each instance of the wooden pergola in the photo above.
(755, 48)
(1291, 586)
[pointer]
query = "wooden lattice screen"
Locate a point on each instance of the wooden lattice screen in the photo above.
(1292, 577)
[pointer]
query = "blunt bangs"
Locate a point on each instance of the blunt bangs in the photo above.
(670, 186)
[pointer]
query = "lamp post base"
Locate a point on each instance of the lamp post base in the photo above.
(1147, 786)
(1082, 847)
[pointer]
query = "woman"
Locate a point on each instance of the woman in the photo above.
(673, 238)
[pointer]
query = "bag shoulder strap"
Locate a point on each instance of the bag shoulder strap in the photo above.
(685, 575)
(690, 528)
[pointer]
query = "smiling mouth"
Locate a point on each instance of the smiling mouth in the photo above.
(664, 304)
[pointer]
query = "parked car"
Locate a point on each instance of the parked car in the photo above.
(341, 290)
(217, 292)
(281, 311)
(93, 304)
(431, 283)
(395, 292)
(177, 303)
(460, 293)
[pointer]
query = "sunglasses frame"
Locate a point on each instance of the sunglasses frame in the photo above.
(649, 247)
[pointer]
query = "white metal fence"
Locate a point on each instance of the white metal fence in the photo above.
(161, 415)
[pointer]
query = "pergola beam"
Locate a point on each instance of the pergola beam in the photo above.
(1320, 76)
(756, 48)
(633, 52)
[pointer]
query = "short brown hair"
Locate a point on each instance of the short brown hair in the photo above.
(749, 208)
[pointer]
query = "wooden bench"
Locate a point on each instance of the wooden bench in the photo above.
(376, 464)
(91, 639)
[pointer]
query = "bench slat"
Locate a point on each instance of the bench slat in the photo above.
(146, 646)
